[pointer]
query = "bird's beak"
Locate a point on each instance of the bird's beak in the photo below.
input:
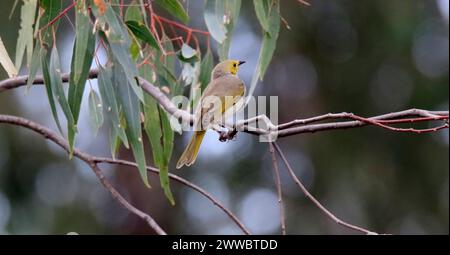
(241, 62)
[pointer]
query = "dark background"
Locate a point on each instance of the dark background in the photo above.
(365, 57)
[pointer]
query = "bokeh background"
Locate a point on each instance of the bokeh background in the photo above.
(365, 57)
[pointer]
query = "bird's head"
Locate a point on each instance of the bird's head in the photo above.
(226, 67)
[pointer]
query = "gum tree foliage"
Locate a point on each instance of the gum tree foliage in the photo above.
(138, 43)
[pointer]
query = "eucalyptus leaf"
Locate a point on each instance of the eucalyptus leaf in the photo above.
(160, 137)
(25, 38)
(6, 61)
(213, 22)
(133, 13)
(231, 8)
(95, 111)
(58, 91)
(34, 66)
(187, 51)
(261, 9)
(175, 8)
(49, 10)
(110, 104)
(142, 32)
(206, 68)
(129, 103)
(116, 37)
(270, 38)
(48, 86)
(82, 55)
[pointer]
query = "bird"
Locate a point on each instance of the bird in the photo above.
(224, 84)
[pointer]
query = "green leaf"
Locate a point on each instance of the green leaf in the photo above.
(51, 9)
(116, 37)
(34, 66)
(6, 62)
(48, 86)
(129, 103)
(142, 32)
(133, 13)
(175, 8)
(83, 53)
(261, 9)
(213, 22)
(168, 137)
(110, 103)
(188, 54)
(231, 8)
(25, 38)
(95, 111)
(160, 137)
(114, 142)
(58, 91)
(270, 39)
(206, 69)
(187, 51)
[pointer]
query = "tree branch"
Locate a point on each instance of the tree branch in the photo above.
(276, 172)
(93, 162)
(314, 200)
(294, 127)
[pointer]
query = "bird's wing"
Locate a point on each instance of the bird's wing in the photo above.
(228, 89)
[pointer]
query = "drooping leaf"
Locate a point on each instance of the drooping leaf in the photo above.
(270, 38)
(83, 53)
(34, 66)
(48, 86)
(58, 91)
(142, 32)
(206, 69)
(114, 142)
(95, 111)
(187, 51)
(166, 68)
(6, 62)
(158, 136)
(231, 9)
(110, 104)
(188, 54)
(261, 9)
(129, 103)
(13, 8)
(116, 37)
(214, 22)
(168, 137)
(134, 13)
(50, 9)
(175, 8)
(25, 38)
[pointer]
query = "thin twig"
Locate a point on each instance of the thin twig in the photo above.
(92, 161)
(88, 159)
(184, 182)
(276, 172)
(315, 201)
(294, 127)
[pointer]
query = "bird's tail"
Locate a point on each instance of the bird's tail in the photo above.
(190, 153)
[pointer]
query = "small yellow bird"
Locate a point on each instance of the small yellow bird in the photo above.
(224, 84)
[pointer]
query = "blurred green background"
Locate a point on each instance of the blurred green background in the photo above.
(365, 57)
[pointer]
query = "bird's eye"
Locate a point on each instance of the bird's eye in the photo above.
(234, 65)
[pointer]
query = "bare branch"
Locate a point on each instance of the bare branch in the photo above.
(276, 172)
(182, 181)
(314, 200)
(88, 159)
(294, 127)
(93, 161)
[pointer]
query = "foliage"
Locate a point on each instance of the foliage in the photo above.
(137, 43)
